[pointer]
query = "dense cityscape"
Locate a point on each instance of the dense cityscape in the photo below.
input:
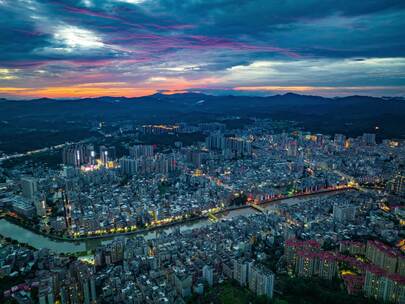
(242, 206)
(202, 152)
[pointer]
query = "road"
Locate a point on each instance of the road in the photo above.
(28, 153)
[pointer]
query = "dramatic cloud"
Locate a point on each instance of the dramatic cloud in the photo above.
(80, 48)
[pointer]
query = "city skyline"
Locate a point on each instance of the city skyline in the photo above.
(202, 151)
(75, 49)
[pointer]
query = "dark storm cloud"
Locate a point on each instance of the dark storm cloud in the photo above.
(158, 26)
(19, 37)
(313, 27)
(261, 15)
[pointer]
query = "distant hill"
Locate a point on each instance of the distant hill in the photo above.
(351, 115)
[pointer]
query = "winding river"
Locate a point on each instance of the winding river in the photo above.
(23, 235)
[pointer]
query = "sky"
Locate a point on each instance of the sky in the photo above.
(90, 48)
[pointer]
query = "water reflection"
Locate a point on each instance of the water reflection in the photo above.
(23, 235)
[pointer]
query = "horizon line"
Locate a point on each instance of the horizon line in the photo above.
(201, 93)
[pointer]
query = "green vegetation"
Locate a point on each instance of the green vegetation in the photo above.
(315, 291)
(293, 291)
(51, 159)
(169, 139)
(228, 293)
(18, 139)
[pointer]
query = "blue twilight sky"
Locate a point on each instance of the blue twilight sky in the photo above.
(88, 48)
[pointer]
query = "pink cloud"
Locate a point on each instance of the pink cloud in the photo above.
(157, 43)
(88, 12)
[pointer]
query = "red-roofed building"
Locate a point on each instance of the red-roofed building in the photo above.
(327, 265)
(384, 288)
(322, 264)
(382, 255)
(381, 279)
(307, 263)
(353, 247)
(292, 246)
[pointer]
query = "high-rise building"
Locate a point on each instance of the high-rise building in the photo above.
(107, 154)
(240, 272)
(104, 157)
(161, 164)
(292, 149)
(40, 206)
(29, 187)
(306, 265)
(141, 150)
(292, 246)
(73, 155)
(215, 141)
(208, 275)
(320, 139)
(369, 138)
(340, 140)
(183, 283)
(344, 213)
(79, 154)
(81, 284)
(194, 157)
(397, 184)
(45, 291)
(352, 247)
(390, 289)
(90, 155)
(382, 255)
(261, 281)
(239, 146)
(241, 268)
(128, 166)
(327, 265)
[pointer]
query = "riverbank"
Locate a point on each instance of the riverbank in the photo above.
(110, 235)
(73, 246)
(32, 228)
(190, 220)
(328, 190)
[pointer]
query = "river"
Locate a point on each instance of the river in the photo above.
(23, 235)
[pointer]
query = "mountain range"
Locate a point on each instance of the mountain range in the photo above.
(350, 115)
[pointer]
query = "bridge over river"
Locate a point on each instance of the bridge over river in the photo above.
(24, 235)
